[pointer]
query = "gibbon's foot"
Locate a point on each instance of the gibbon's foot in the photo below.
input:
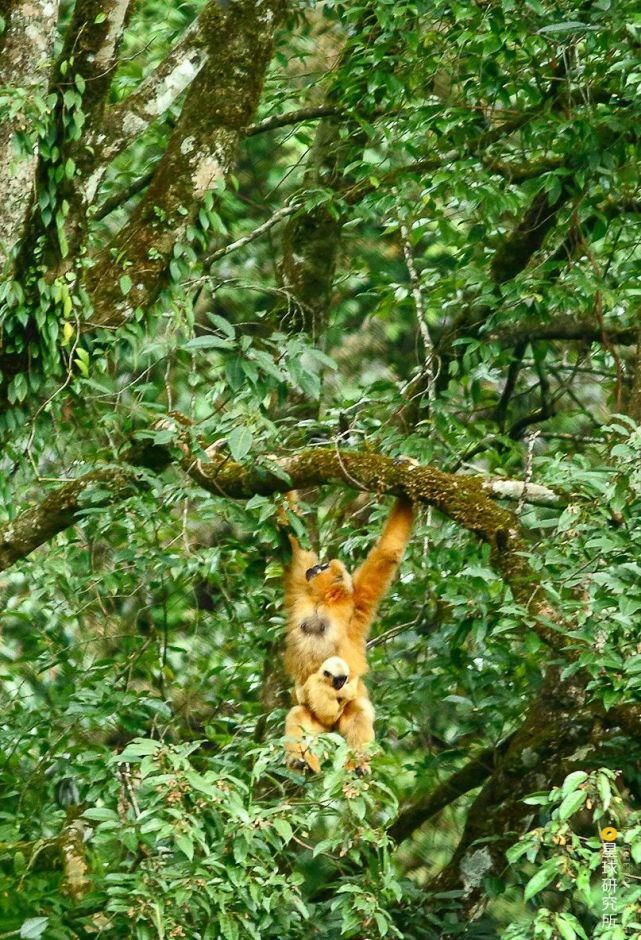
(302, 760)
(359, 766)
(310, 764)
(298, 765)
(299, 722)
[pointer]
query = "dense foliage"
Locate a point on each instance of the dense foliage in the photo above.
(238, 234)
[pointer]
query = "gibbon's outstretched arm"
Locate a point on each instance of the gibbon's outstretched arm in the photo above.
(295, 581)
(373, 578)
(301, 559)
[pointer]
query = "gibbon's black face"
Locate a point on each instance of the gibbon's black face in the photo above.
(312, 572)
(328, 582)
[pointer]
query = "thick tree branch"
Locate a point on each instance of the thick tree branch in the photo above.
(62, 508)
(581, 330)
(158, 91)
(423, 807)
(202, 148)
(121, 123)
(464, 499)
(27, 45)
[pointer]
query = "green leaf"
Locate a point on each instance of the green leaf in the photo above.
(381, 923)
(283, 829)
(573, 781)
(224, 325)
(605, 790)
(186, 845)
(267, 364)
(62, 240)
(137, 749)
(583, 884)
(101, 814)
(565, 929)
(239, 849)
(208, 342)
(82, 360)
(33, 927)
(568, 922)
(537, 799)
(540, 880)
(567, 27)
(572, 803)
(516, 851)
(239, 441)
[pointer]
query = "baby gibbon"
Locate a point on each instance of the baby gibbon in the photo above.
(327, 691)
(329, 613)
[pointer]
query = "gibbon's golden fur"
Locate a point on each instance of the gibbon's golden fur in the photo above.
(327, 691)
(329, 613)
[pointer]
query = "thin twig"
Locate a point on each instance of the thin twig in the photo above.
(292, 117)
(430, 362)
(253, 235)
(527, 477)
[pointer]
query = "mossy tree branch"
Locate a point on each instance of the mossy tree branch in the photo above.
(467, 500)
(63, 508)
(426, 805)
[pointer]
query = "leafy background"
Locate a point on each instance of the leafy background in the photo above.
(455, 278)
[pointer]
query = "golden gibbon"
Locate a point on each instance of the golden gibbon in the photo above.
(329, 613)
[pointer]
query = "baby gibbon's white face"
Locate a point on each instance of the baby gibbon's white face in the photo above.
(335, 672)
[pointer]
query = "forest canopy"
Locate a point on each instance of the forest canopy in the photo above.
(359, 250)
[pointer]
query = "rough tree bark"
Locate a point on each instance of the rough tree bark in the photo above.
(238, 42)
(27, 44)
(312, 238)
(221, 62)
